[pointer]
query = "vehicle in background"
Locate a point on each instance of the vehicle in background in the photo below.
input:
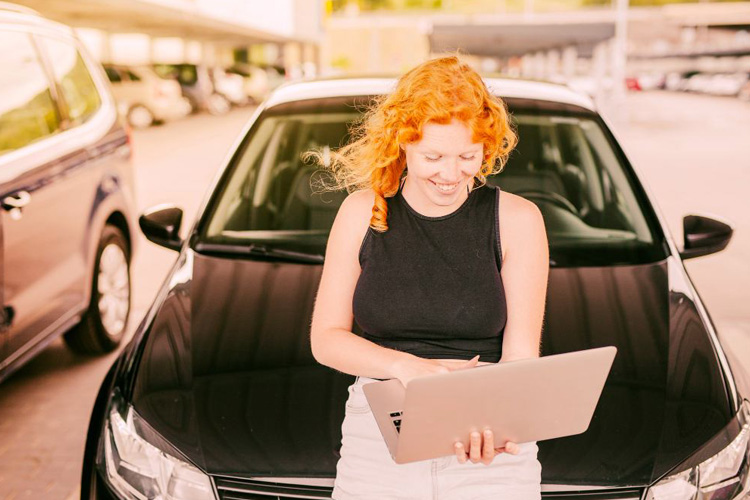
(632, 83)
(276, 75)
(197, 86)
(727, 84)
(230, 86)
(219, 396)
(146, 97)
(256, 81)
(698, 83)
(651, 81)
(720, 84)
(67, 225)
(678, 81)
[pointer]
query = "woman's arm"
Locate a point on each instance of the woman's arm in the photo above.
(333, 344)
(524, 271)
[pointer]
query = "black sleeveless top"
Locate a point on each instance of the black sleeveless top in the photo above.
(431, 286)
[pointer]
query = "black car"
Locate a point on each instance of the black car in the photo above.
(218, 394)
(66, 192)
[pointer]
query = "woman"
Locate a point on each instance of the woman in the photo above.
(440, 271)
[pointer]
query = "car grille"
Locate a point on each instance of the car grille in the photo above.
(625, 494)
(246, 489)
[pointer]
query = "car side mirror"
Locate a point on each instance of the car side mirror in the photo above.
(161, 225)
(704, 236)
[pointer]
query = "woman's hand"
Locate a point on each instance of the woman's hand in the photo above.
(482, 448)
(418, 367)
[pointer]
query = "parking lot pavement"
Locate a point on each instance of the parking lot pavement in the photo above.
(690, 149)
(44, 411)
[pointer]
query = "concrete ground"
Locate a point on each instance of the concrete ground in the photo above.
(691, 150)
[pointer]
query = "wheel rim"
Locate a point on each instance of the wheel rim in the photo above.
(140, 117)
(113, 285)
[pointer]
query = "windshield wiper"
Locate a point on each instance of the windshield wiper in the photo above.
(260, 252)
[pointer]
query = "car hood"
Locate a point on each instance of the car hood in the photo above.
(227, 377)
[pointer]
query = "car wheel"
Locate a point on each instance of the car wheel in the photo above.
(218, 104)
(140, 116)
(103, 325)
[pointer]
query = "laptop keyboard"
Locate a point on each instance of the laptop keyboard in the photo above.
(396, 418)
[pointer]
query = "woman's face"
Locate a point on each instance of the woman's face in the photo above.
(441, 166)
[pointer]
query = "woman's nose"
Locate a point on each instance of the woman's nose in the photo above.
(452, 171)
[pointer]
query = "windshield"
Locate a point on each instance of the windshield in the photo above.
(567, 163)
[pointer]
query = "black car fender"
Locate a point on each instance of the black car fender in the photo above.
(93, 435)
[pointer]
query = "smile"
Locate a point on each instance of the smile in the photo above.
(445, 188)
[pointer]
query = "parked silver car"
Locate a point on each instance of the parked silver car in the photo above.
(146, 97)
(66, 195)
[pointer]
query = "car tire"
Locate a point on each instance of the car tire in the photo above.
(140, 117)
(105, 321)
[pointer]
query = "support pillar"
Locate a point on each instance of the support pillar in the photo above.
(569, 61)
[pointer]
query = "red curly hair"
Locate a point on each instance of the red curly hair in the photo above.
(438, 90)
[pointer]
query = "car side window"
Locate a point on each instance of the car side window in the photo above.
(113, 74)
(27, 109)
(73, 78)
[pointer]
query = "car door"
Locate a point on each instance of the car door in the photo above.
(47, 210)
(29, 119)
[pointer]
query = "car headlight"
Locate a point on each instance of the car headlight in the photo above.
(136, 469)
(724, 476)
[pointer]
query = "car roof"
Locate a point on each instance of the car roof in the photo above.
(502, 87)
(23, 16)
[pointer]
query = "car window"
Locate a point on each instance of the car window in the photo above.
(27, 109)
(186, 74)
(274, 199)
(112, 74)
(73, 78)
(133, 77)
(564, 164)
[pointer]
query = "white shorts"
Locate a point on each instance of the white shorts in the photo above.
(367, 471)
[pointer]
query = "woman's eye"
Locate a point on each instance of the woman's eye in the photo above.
(432, 158)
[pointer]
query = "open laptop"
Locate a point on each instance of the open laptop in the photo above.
(524, 400)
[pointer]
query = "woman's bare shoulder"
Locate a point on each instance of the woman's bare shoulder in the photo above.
(354, 216)
(357, 206)
(361, 200)
(515, 206)
(518, 217)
